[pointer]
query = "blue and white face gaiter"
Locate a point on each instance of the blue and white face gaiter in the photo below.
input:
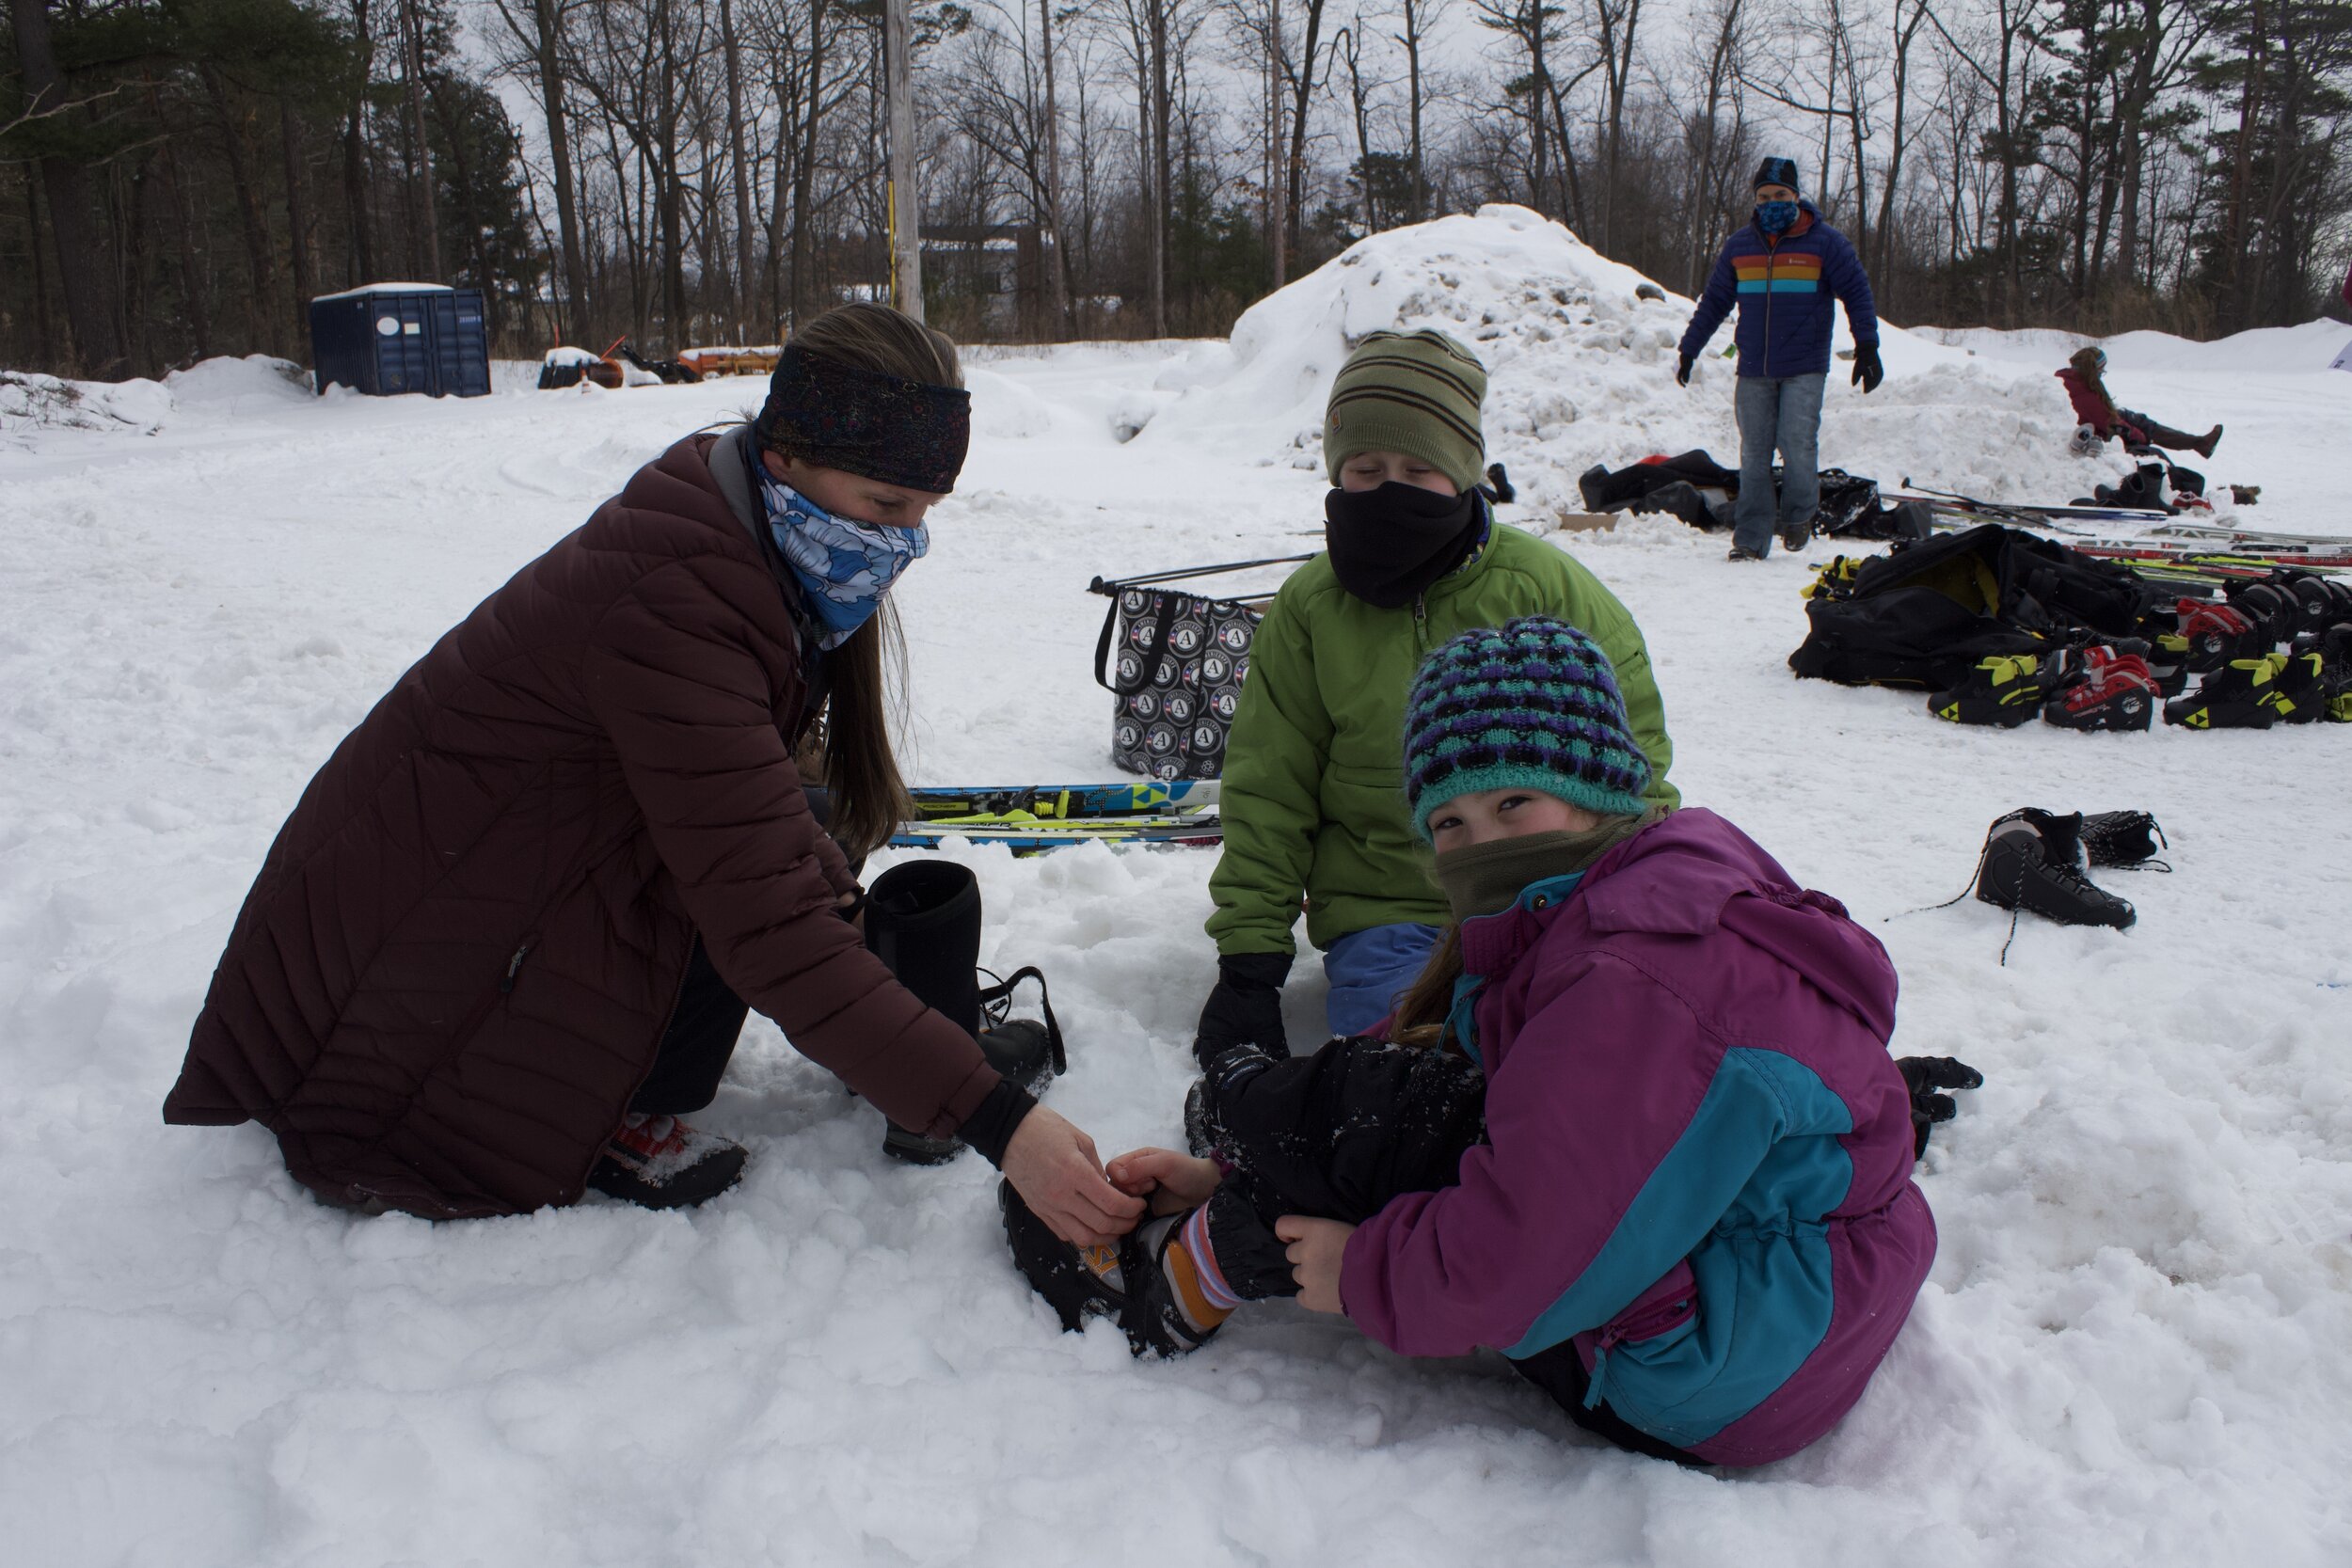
(1775, 217)
(844, 567)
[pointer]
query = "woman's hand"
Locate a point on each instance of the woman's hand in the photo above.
(1054, 1167)
(1171, 1180)
(1315, 1249)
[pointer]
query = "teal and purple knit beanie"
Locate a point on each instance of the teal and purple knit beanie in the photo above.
(1532, 706)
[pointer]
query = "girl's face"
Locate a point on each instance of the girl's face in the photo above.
(1484, 815)
(850, 496)
(1369, 471)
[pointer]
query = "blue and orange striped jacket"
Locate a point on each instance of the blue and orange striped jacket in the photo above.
(1785, 291)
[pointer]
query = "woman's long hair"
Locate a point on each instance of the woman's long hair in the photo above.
(867, 695)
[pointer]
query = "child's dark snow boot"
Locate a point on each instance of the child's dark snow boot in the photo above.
(1127, 1282)
(2034, 861)
(2122, 839)
(658, 1161)
(2005, 690)
(2100, 688)
(2243, 694)
(923, 921)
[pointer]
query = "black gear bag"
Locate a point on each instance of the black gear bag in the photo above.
(1923, 614)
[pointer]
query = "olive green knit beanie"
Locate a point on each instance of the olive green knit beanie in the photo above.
(1414, 392)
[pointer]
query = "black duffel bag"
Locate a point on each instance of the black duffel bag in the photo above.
(1923, 614)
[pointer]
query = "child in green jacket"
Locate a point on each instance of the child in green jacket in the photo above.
(1314, 798)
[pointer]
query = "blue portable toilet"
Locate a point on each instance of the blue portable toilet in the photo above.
(386, 339)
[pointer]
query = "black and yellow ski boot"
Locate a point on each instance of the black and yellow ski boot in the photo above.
(2006, 690)
(2242, 694)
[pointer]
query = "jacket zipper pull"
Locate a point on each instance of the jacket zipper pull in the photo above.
(514, 967)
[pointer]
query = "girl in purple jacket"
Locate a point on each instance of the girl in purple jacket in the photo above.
(1637, 1127)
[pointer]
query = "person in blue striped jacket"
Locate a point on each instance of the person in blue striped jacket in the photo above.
(1782, 268)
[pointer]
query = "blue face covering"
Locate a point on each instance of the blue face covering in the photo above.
(1775, 217)
(844, 567)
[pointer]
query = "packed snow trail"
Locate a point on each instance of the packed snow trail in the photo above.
(2131, 1351)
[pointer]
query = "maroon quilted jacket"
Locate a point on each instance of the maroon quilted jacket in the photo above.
(458, 961)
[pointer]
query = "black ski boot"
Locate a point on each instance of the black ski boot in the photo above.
(2006, 690)
(2034, 861)
(1123, 1281)
(2243, 694)
(2122, 840)
(923, 920)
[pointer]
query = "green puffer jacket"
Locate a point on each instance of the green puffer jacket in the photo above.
(1313, 798)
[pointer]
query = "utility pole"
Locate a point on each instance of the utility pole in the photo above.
(906, 239)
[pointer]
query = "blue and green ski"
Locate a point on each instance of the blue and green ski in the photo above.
(1064, 802)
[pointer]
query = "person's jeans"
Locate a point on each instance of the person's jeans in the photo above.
(1782, 411)
(1370, 969)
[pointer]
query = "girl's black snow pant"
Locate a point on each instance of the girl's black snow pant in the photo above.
(1337, 1134)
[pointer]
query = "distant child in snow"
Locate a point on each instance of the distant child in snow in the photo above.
(1312, 802)
(1784, 269)
(1654, 1152)
(2086, 388)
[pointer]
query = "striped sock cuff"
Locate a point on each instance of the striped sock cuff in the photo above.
(1194, 1239)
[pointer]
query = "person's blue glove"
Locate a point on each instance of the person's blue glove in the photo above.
(1868, 371)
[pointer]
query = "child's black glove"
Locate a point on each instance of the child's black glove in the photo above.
(1682, 370)
(1245, 1008)
(1925, 1076)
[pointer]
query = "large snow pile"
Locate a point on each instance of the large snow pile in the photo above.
(2131, 1351)
(1581, 371)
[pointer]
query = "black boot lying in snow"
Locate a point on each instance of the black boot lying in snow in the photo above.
(2034, 861)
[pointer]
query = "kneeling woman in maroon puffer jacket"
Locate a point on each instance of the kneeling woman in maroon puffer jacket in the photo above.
(513, 924)
(1661, 1158)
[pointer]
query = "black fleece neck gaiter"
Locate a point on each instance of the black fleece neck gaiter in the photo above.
(1389, 544)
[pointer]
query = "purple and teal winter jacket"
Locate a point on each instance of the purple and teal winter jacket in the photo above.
(1785, 289)
(1700, 1161)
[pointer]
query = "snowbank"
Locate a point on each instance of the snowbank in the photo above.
(31, 401)
(245, 385)
(1580, 371)
(2274, 349)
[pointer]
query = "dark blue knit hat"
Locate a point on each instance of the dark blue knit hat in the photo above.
(1776, 171)
(1532, 706)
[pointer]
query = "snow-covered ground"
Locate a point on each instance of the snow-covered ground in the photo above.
(2133, 1349)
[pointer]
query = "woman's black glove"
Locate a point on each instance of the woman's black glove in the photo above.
(1924, 1076)
(1868, 371)
(1245, 1008)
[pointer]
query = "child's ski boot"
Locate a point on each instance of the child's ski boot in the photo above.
(2243, 694)
(2100, 688)
(2005, 690)
(1126, 1281)
(2034, 861)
